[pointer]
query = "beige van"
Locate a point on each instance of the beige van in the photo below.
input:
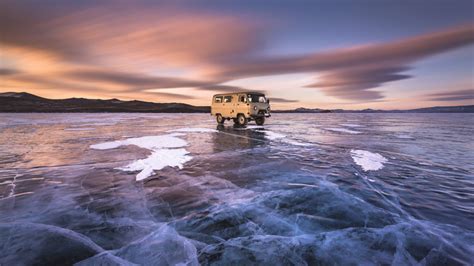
(241, 107)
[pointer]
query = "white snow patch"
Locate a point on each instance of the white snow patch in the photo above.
(148, 142)
(343, 130)
(297, 143)
(162, 154)
(404, 136)
(350, 125)
(302, 185)
(273, 135)
(158, 160)
(367, 160)
(254, 127)
(194, 130)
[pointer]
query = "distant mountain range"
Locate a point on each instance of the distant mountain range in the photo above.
(436, 109)
(22, 102)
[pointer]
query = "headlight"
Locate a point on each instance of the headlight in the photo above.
(255, 108)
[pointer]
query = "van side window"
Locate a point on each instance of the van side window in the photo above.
(242, 98)
(218, 99)
(227, 99)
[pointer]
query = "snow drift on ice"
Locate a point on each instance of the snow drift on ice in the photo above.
(367, 160)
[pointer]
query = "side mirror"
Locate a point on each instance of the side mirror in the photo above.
(268, 100)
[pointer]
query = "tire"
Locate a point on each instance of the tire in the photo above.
(241, 120)
(260, 120)
(220, 120)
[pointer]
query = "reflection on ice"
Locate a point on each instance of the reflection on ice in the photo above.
(404, 136)
(351, 125)
(343, 130)
(194, 130)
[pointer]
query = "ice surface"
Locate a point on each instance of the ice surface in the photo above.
(247, 196)
(30, 243)
(367, 160)
(351, 125)
(104, 258)
(273, 135)
(298, 143)
(343, 130)
(162, 247)
(404, 136)
(283, 138)
(194, 130)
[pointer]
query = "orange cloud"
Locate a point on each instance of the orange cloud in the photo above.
(131, 37)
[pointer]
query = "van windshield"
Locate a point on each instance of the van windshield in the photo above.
(257, 98)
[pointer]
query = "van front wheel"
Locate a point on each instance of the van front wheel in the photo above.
(220, 119)
(259, 121)
(241, 120)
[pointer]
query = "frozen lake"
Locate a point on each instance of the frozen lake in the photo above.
(168, 189)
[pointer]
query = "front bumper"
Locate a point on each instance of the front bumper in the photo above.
(261, 113)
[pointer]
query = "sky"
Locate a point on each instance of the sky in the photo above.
(348, 54)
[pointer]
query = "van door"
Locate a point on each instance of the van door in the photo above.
(241, 105)
(228, 106)
(217, 105)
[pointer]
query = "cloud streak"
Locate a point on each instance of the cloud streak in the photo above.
(131, 80)
(8, 71)
(396, 53)
(458, 95)
(282, 100)
(135, 33)
(356, 83)
(352, 72)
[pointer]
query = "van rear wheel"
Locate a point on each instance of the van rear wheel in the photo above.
(220, 120)
(240, 120)
(259, 121)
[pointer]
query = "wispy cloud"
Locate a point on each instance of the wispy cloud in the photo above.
(133, 33)
(282, 100)
(351, 73)
(8, 71)
(457, 95)
(131, 80)
(357, 83)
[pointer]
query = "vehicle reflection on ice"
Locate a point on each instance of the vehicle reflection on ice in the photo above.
(237, 137)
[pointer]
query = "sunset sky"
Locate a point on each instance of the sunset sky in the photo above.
(383, 54)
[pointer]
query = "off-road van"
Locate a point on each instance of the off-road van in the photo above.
(241, 107)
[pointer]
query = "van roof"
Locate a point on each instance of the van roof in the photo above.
(239, 92)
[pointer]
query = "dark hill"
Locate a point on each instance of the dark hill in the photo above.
(25, 103)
